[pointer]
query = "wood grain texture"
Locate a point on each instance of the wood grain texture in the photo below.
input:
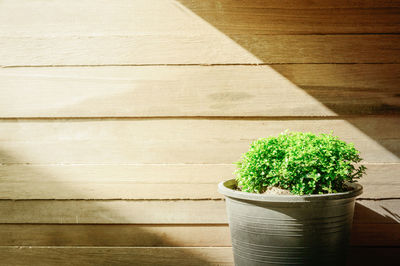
(114, 191)
(172, 141)
(297, 17)
(149, 181)
(309, 89)
(115, 235)
(290, 4)
(384, 211)
(369, 256)
(113, 212)
(126, 50)
(197, 49)
(101, 174)
(160, 235)
(43, 256)
(157, 212)
(321, 48)
(174, 91)
(97, 17)
(84, 256)
(123, 17)
(194, 174)
(375, 235)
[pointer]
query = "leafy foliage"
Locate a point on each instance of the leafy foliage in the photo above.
(303, 163)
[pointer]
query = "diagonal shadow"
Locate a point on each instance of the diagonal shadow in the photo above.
(363, 250)
(345, 89)
(342, 100)
(353, 96)
(17, 229)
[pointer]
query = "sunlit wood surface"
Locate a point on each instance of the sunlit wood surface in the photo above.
(119, 118)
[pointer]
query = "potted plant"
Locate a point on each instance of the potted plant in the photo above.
(292, 200)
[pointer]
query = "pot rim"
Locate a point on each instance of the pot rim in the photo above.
(225, 188)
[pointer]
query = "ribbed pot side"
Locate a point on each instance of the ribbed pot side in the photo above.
(289, 229)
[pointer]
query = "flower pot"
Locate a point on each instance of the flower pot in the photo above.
(289, 229)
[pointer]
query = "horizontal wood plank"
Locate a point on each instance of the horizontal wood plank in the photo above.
(194, 174)
(114, 191)
(149, 181)
(110, 191)
(115, 235)
(172, 141)
(309, 89)
(126, 256)
(160, 235)
(84, 164)
(289, 4)
(26, 17)
(96, 17)
(375, 235)
(113, 212)
(43, 256)
(321, 48)
(213, 48)
(377, 212)
(174, 91)
(297, 17)
(370, 256)
(122, 50)
(157, 212)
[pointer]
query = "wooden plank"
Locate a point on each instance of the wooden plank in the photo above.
(108, 191)
(176, 141)
(321, 48)
(375, 235)
(197, 49)
(193, 174)
(290, 4)
(381, 181)
(348, 89)
(149, 181)
(83, 256)
(113, 212)
(114, 191)
(97, 17)
(377, 211)
(115, 235)
(200, 91)
(26, 17)
(43, 256)
(372, 256)
(356, 76)
(157, 212)
(160, 235)
(297, 17)
(377, 174)
(174, 91)
(122, 50)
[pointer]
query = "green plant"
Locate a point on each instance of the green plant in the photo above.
(303, 163)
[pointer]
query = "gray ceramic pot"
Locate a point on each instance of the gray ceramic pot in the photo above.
(289, 229)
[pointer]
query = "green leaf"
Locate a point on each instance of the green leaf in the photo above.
(303, 163)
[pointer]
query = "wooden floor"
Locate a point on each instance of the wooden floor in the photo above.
(118, 119)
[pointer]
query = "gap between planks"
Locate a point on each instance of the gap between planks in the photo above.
(164, 199)
(245, 118)
(194, 65)
(155, 164)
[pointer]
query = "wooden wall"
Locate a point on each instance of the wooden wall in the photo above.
(119, 118)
